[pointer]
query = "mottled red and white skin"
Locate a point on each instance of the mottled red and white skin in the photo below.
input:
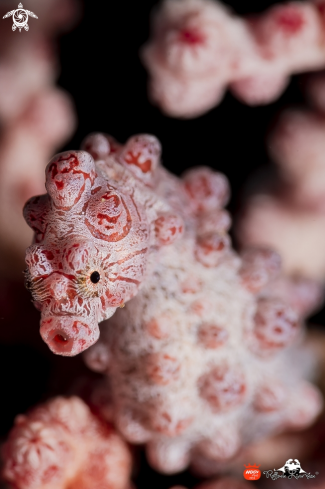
(206, 356)
(289, 214)
(199, 48)
(62, 445)
(36, 118)
(94, 231)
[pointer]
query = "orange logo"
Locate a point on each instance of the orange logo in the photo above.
(252, 472)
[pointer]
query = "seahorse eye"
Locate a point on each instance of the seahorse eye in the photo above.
(95, 277)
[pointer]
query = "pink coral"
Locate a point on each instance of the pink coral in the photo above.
(199, 47)
(188, 358)
(61, 444)
(36, 118)
(288, 215)
(24, 145)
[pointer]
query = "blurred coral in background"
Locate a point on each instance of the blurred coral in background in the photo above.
(62, 445)
(285, 208)
(199, 47)
(36, 117)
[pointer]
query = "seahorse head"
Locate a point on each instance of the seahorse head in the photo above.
(90, 250)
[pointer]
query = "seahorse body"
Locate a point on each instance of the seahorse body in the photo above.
(204, 357)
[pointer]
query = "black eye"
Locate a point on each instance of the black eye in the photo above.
(95, 277)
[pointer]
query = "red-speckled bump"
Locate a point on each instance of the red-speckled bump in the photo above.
(223, 388)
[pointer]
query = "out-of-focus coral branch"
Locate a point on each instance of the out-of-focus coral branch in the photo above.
(36, 118)
(62, 445)
(199, 48)
(286, 209)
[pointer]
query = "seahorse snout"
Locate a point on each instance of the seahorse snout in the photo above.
(68, 335)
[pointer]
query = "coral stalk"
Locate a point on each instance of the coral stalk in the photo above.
(195, 353)
(199, 48)
(62, 445)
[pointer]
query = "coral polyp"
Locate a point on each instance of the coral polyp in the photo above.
(61, 444)
(199, 48)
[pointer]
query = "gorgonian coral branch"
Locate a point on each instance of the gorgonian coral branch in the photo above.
(194, 351)
(61, 444)
(35, 118)
(199, 48)
(286, 210)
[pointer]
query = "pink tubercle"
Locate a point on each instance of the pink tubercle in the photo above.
(290, 20)
(223, 388)
(191, 36)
